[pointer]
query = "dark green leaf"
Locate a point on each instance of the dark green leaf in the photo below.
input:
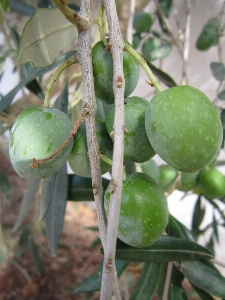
(5, 186)
(93, 282)
(218, 70)
(149, 46)
(202, 294)
(166, 6)
(136, 39)
(221, 95)
(208, 36)
(80, 188)
(95, 243)
(210, 244)
(162, 76)
(162, 279)
(147, 282)
(37, 258)
(215, 228)
(24, 242)
(27, 201)
(61, 102)
(46, 195)
(7, 99)
(176, 292)
(205, 277)
(32, 86)
(22, 8)
(142, 22)
(56, 211)
(164, 249)
(162, 51)
(178, 230)
(198, 215)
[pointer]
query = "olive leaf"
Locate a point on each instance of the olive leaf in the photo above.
(44, 35)
(147, 282)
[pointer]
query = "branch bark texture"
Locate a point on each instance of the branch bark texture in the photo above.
(117, 167)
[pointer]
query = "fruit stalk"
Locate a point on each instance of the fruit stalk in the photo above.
(36, 162)
(118, 150)
(72, 60)
(144, 65)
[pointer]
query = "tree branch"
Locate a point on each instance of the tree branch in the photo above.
(130, 21)
(117, 167)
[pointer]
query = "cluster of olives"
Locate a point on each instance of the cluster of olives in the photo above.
(180, 124)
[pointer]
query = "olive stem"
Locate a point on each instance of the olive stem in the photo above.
(144, 65)
(72, 60)
(101, 25)
(36, 162)
(71, 15)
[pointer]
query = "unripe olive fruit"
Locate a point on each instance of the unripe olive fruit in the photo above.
(167, 177)
(37, 133)
(143, 211)
(136, 144)
(184, 128)
(188, 181)
(212, 183)
(78, 159)
(103, 73)
(151, 168)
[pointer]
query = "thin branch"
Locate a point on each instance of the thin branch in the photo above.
(167, 281)
(217, 262)
(186, 43)
(118, 151)
(36, 162)
(130, 21)
(168, 27)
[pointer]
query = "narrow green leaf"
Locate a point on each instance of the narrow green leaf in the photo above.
(36, 258)
(178, 230)
(93, 282)
(22, 8)
(176, 292)
(27, 201)
(198, 215)
(202, 293)
(147, 282)
(208, 36)
(7, 99)
(44, 35)
(164, 249)
(46, 195)
(56, 211)
(162, 76)
(166, 6)
(24, 240)
(162, 51)
(218, 70)
(80, 188)
(61, 102)
(215, 228)
(205, 277)
(32, 86)
(162, 279)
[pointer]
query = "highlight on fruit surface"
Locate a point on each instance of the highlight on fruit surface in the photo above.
(78, 159)
(103, 73)
(37, 133)
(184, 128)
(136, 144)
(143, 213)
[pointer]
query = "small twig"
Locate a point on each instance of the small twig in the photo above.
(101, 25)
(71, 15)
(154, 82)
(186, 43)
(219, 263)
(36, 162)
(168, 27)
(72, 60)
(167, 281)
(130, 21)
